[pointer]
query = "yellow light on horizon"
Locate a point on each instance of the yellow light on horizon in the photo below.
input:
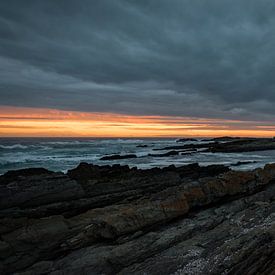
(33, 122)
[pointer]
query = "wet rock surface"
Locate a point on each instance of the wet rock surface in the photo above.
(121, 220)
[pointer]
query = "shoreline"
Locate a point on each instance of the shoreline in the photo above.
(64, 154)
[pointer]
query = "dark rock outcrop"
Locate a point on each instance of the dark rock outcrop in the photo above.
(225, 138)
(35, 187)
(246, 145)
(115, 157)
(114, 219)
(228, 145)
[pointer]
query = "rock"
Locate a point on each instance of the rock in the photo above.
(13, 175)
(116, 219)
(115, 157)
(168, 154)
(32, 189)
(225, 138)
(228, 145)
(245, 145)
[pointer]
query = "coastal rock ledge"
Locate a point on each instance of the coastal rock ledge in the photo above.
(121, 220)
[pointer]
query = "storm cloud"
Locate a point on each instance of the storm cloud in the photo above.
(197, 58)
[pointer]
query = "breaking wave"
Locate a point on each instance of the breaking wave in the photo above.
(14, 146)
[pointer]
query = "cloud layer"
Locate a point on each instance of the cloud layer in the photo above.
(194, 58)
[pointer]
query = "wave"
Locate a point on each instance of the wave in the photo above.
(20, 146)
(15, 146)
(72, 158)
(120, 141)
(63, 142)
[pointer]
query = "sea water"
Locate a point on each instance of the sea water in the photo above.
(61, 154)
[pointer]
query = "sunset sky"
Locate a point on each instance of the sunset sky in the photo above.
(129, 68)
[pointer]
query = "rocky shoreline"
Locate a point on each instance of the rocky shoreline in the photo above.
(215, 145)
(121, 220)
(228, 145)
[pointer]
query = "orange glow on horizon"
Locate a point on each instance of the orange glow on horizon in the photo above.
(34, 122)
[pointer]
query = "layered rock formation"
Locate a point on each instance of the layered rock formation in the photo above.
(117, 220)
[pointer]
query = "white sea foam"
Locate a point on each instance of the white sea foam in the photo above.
(60, 154)
(20, 146)
(63, 142)
(14, 146)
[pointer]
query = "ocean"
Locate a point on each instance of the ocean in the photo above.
(61, 154)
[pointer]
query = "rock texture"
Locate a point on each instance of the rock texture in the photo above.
(117, 220)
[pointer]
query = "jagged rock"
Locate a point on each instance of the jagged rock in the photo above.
(113, 219)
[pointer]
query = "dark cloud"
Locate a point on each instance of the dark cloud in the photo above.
(181, 57)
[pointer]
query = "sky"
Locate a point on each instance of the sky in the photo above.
(137, 68)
